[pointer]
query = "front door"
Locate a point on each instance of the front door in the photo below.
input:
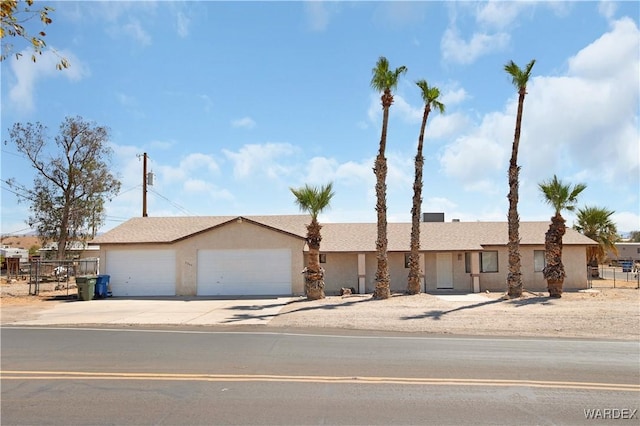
(444, 271)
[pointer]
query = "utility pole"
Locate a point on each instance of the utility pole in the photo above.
(144, 185)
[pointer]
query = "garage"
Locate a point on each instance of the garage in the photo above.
(244, 272)
(142, 273)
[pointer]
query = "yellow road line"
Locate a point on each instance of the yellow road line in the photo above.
(75, 375)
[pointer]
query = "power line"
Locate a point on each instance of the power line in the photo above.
(174, 204)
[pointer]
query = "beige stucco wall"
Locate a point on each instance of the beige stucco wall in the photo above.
(461, 279)
(573, 257)
(231, 236)
(341, 270)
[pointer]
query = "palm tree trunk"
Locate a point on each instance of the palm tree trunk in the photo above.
(514, 277)
(413, 284)
(313, 273)
(554, 269)
(382, 278)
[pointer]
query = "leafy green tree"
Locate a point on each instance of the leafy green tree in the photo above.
(430, 95)
(12, 24)
(595, 223)
(519, 78)
(383, 80)
(313, 200)
(561, 197)
(634, 236)
(72, 181)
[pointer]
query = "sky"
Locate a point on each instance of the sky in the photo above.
(237, 102)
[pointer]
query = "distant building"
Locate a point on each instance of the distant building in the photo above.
(626, 251)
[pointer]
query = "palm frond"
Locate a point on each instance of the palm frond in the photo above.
(519, 77)
(559, 195)
(383, 78)
(430, 95)
(313, 199)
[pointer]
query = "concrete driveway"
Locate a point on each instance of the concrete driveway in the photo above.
(173, 311)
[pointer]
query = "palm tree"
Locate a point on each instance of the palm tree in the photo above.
(520, 78)
(430, 97)
(561, 197)
(313, 200)
(383, 80)
(596, 223)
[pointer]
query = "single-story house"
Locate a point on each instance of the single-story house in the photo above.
(265, 255)
(75, 250)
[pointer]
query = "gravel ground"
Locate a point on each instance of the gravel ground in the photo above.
(603, 312)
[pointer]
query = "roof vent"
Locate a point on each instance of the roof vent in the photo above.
(433, 217)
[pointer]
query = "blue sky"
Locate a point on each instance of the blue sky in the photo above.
(236, 102)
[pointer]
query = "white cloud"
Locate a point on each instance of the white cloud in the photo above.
(479, 155)
(453, 96)
(28, 73)
(590, 115)
(400, 108)
(126, 100)
(317, 15)
(245, 122)
(182, 24)
(255, 160)
(500, 14)
(607, 8)
(445, 125)
(582, 126)
(407, 112)
(626, 221)
(399, 14)
(188, 167)
(350, 173)
(134, 30)
(455, 49)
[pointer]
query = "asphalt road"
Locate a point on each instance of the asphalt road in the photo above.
(199, 376)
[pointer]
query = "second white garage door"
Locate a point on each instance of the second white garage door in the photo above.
(244, 272)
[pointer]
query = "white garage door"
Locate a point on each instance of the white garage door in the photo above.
(244, 272)
(142, 273)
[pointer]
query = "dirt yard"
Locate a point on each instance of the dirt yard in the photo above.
(602, 312)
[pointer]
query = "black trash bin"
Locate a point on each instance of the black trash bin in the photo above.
(102, 287)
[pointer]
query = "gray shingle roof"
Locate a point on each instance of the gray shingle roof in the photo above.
(342, 237)
(172, 229)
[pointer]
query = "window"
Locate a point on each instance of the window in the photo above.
(406, 260)
(323, 258)
(489, 261)
(467, 263)
(539, 261)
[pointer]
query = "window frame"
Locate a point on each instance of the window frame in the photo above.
(482, 261)
(536, 263)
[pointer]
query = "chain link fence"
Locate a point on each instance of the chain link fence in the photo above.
(613, 277)
(62, 273)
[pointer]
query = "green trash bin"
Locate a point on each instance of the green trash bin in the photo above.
(86, 287)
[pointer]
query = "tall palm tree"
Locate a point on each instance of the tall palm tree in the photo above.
(430, 97)
(596, 223)
(561, 197)
(313, 200)
(520, 78)
(383, 80)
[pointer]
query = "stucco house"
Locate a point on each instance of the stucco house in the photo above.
(265, 255)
